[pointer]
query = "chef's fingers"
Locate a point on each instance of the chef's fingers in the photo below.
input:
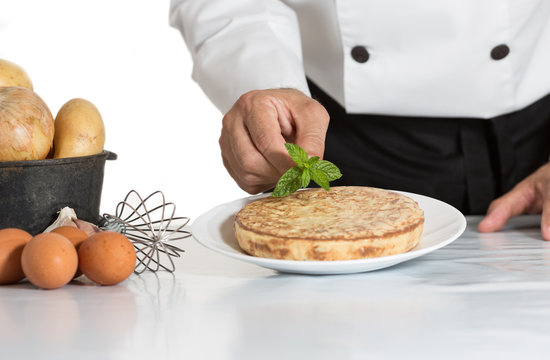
(254, 188)
(311, 120)
(252, 172)
(513, 203)
(247, 179)
(255, 130)
(545, 220)
(263, 111)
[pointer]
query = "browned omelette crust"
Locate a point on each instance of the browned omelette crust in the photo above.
(347, 222)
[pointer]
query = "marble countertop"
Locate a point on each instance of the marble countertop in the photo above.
(483, 296)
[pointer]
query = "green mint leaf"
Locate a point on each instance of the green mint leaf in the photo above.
(320, 178)
(306, 169)
(306, 177)
(329, 169)
(312, 160)
(289, 182)
(297, 154)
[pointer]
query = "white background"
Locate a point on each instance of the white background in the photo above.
(123, 56)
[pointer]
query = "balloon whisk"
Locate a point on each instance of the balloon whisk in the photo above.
(151, 225)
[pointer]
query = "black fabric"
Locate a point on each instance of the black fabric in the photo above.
(464, 162)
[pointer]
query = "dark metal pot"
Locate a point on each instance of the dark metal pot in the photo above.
(33, 191)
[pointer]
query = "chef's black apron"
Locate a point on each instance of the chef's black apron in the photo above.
(463, 161)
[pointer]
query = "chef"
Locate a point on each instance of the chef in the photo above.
(446, 98)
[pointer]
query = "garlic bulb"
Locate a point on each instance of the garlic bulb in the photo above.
(67, 217)
(26, 125)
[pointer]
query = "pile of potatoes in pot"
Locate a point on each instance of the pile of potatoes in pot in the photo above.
(29, 131)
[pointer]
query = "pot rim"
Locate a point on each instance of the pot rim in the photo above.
(104, 155)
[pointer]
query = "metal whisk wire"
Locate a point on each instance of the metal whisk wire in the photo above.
(149, 229)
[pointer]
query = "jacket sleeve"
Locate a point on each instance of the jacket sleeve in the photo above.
(240, 45)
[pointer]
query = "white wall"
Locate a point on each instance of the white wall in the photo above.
(123, 56)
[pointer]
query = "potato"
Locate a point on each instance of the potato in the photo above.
(79, 130)
(13, 75)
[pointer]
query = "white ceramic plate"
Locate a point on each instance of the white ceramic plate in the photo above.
(442, 225)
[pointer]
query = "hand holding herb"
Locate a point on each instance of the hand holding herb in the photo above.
(306, 169)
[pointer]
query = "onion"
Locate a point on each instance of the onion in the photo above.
(12, 74)
(26, 125)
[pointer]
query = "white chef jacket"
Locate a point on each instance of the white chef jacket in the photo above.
(425, 57)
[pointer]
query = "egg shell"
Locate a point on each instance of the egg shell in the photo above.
(75, 235)
(12, 242)
(107, 257)
(49, 260)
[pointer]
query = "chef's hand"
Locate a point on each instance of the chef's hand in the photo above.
(256, 128)
(532, 195)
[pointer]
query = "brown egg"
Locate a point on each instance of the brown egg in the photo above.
(75, 235)
(107, 257)
(49, 260)
(12, 242)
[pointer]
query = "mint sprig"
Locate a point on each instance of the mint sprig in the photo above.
(307, 168)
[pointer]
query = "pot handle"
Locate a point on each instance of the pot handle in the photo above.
(111, 155)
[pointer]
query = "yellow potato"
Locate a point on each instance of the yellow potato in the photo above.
(79, 130)
(13, 75)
